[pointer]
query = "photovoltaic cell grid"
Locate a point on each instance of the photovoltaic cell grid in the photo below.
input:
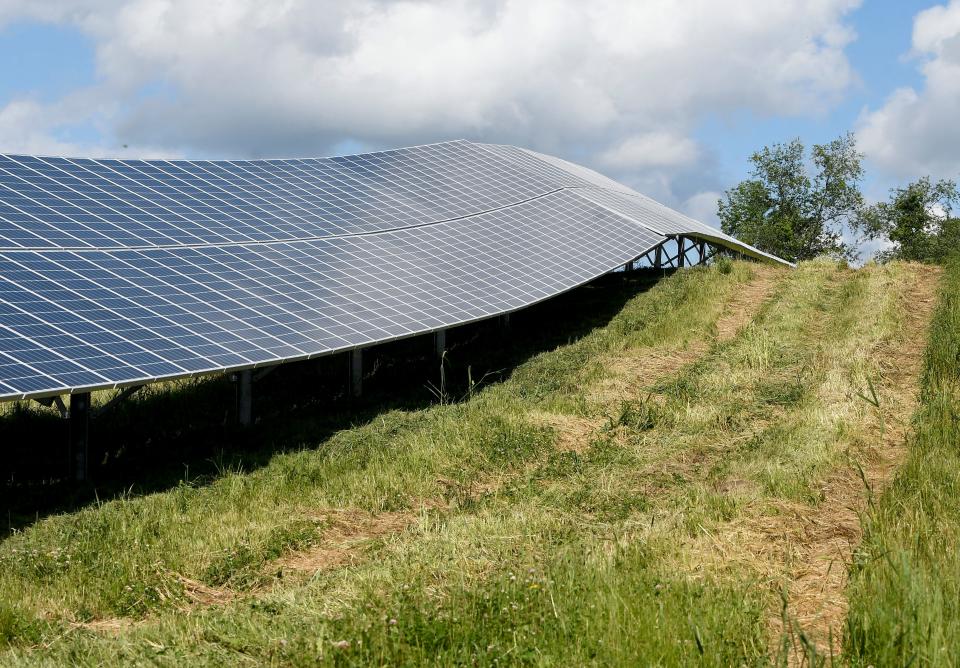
(82, 203)
(619, 198)
(117, 272)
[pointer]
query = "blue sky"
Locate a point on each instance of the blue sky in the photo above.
(880, 56)
(670, 98)
(44, 60)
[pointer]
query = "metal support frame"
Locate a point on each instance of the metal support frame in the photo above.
(356, 372)
(79, 413)
(245, 381)
(57, 401)
(117, 398)
(264, 372)
(678, 252)
(79, 443)
(712, 252)
(245, 397)
(78, 417)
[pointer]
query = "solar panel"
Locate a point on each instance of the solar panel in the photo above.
(60, 202)
(118, 272)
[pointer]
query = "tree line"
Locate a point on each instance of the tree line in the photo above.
(798, 207)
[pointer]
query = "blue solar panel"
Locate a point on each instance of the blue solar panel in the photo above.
(116, 272)
(76, 203)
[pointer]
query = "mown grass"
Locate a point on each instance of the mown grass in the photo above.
(513, 548)
(905, 589)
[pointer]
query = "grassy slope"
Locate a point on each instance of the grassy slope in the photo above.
(488, 536)
(905, 590)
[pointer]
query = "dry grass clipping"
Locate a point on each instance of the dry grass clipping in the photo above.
(574, 433)
(745, 304)
(347, 532)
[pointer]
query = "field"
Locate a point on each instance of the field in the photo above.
(734, 465)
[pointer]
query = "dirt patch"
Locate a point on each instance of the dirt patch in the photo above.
(344, 536)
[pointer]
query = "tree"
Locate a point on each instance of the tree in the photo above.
(916, 221)
(786, 211)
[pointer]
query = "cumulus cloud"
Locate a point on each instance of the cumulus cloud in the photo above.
(653, 149)
(703, 207)
(25, 128)
(915, 132)
(615, 84)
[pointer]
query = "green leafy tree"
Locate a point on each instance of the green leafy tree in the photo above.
(786, 210)
(916, 221)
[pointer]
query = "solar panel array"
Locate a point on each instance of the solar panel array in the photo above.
(119, 272)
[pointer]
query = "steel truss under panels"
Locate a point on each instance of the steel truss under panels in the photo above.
(678, 252)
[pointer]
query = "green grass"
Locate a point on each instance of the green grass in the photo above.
(905, 589)
(504, 546)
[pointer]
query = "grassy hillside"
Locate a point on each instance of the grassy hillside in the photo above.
(683, 483)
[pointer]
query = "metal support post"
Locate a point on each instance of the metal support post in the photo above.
(264, 372)
(356, 372)
(79, 445)
(628, 266)
(504, 322)
(681, 258)
(245, 397)
(702, 252)
(658, 257)
(440, 342)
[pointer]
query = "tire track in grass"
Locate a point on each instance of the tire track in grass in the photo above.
(632, 371)
(826, 535)
(839, 337)
(800, 542)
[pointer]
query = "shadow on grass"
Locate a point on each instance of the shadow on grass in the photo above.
(154, 440)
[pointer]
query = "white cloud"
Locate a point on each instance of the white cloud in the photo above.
(653, 149)
(614, 83)
(915, 133)
(703, 207)
(25, 128)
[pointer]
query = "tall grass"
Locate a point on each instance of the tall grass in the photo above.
(905, 589)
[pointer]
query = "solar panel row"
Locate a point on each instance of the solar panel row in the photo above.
(82, 203)
(93, 318)
(117, 272)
